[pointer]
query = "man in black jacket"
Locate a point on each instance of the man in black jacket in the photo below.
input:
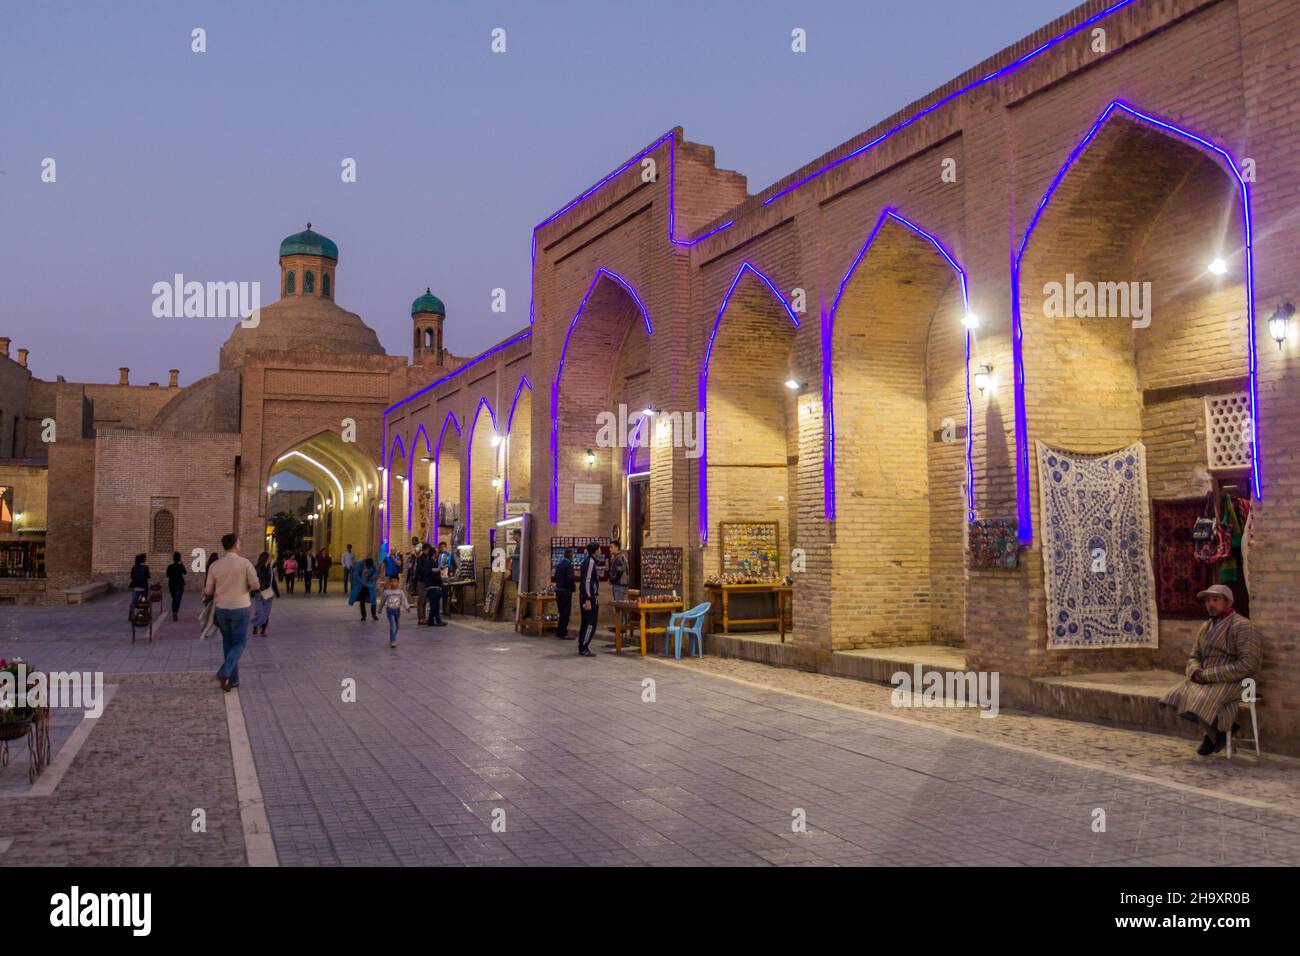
(588, 589)
(429, 581)
(564, 584)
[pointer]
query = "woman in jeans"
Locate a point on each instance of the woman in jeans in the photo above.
(262, 605)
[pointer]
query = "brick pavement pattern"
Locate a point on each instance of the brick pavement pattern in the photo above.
(457, 723)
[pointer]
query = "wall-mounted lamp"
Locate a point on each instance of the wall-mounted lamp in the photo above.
(496, 440)
(1279, 323)
(591, 458)
(983, 378)
(1218, 267)
(496, 482)
(269, 489)
(648, 410)
(794, 385)
(18, 516)
(970, 320)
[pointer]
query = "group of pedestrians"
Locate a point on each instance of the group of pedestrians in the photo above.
(586, 582)
(306, 566)
(424, 569)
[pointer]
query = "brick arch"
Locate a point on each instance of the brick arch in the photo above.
(524, 383)
(450, 419)
(891, 217)
(767, 314)
(483, 404)
(610, 306)
(410, 472)
(895, 377)
(1108, 141)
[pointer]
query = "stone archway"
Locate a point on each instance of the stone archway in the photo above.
(1133, 306)
(899, 394)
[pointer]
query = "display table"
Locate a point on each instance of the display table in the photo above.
(538, 605)
(639, 610)
(720, 596)
(457, 591)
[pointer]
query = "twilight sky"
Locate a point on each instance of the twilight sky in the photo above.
(173, 161)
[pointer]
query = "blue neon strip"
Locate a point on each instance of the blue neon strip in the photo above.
(559, 374)
(828, 366)
(510, 425)
(1023, 505)
(704, 380)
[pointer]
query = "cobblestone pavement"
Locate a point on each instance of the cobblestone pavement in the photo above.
(1270, 779)
(459, 728)
(159, 751)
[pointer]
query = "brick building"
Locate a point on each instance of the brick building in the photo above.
(876, 353)
(871, 342)
(94, 474)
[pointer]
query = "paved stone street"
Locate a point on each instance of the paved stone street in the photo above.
(466, 725)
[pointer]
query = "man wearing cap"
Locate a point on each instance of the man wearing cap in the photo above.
(1227, 652)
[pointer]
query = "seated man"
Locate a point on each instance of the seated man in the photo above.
(1227, 652)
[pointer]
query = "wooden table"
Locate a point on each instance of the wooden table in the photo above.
(641, 610)
(538, 603)
(456, 590)
(720, 596)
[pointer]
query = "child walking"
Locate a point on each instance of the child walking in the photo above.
(395, 601)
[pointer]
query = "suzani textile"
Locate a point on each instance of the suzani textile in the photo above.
(1096, 548)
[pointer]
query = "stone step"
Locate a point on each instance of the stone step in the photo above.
(82, 593)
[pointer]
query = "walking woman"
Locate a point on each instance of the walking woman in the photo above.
(290, 571)
(139, 582)
(262, 599)
(365, 587)
(176, 583)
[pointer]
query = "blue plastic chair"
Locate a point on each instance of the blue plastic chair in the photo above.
(687, 622)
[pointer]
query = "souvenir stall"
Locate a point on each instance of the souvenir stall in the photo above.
(751, 575)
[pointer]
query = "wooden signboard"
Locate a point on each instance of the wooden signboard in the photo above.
(661, 571)
(496, 587)
(751, 549)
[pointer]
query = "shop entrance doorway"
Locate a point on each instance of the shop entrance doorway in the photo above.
(638, 523)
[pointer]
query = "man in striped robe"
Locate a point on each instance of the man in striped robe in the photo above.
(1227, 652)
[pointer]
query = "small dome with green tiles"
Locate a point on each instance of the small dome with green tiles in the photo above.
(428, 303)
(308, 243)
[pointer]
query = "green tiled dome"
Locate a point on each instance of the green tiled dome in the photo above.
(428, 303)
(308, 243)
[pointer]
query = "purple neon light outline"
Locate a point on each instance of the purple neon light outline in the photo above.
(410, 473)
(526, 333)
(469, 463)
(631, 445)
(554, 508)
(672, 238)
(672, 166)
(510, 424)
(828, 368)
(437, 470)
(745, 266)
(388, 480)
(1023, 506)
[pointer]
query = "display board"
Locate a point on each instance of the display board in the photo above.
(661, 571)
(465, 571)
(579, 548)
(751, 549)
(492, 601)
(993, 543)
